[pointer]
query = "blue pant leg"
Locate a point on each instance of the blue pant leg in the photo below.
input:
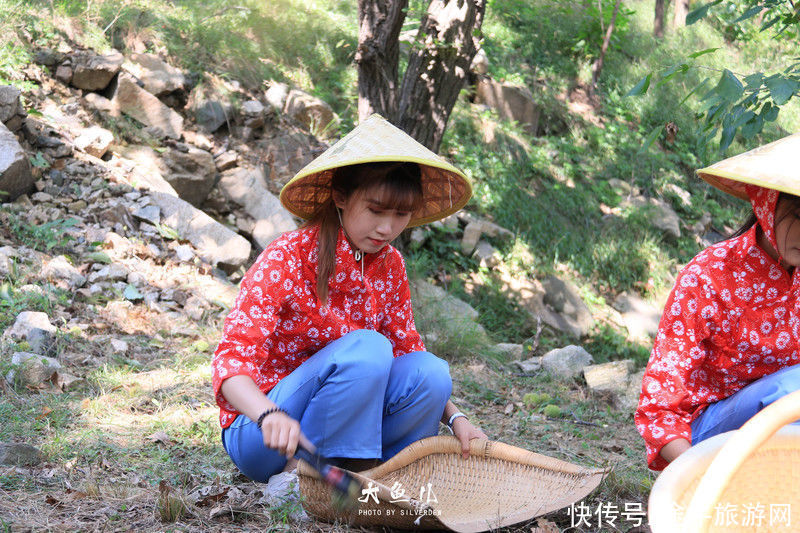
(419, 387)
(337, 395)
(732, 412)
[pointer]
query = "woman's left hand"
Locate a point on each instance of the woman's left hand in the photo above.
(465, 432)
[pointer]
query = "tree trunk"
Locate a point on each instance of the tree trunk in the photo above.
(681, 10)
(658, 21)
(597, 67)
(446, 43)
(377, 56)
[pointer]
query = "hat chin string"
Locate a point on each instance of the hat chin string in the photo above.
(358, 255)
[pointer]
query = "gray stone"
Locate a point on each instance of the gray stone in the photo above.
(146, 172)
(60, 269)
(101, 103)
(252, 108)
(470, 238)
(10, 105)
(119, 346)
(286, 154)
(48, 57)
(7, 255)
(158, 77)
(246, 187)
(640, 318)
(312, 112)
(419, 236)
(112, 272)
(512, 102)
(226, 160)
(211, 115)
(16, 178)
(150, 213)
(509, 350)
(480, 63)
(191, 172)
(94, 141)
(146, 108)
(211, 109)
(565, 300)
(682, 194)
(19, 454)
(530, 366)
(184, 253)
(567, 362)
(94, 73)
(660, 215)
(32, 370)
(64, 74)
(487, 255)
(35, 328)
(215, 243)
(276, 95)
(629, 401)
(608, 377)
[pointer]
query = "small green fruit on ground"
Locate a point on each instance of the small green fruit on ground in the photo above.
(552, 411)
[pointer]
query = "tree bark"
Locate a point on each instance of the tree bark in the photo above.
(681, 10)
(658, 20)
(597, 67)
(377, 56)
(446, 43)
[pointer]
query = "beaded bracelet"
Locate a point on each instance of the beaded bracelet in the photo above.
(268, 412)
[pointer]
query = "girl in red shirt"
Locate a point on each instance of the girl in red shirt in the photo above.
(320, 348)
(727, 344)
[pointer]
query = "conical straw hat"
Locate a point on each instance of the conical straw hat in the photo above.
(774, 166)
(445, 189)
(429, 485)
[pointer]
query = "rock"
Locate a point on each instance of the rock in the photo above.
(119, 346)
(60, 269)
(32, 370)
(312, 112)
(480, 63)
(608, 377)
(509, 350)
(112, 272)
(566, 362)
(184, 253)
(199, 140)
(146, 108)
(565, 299)
(623, 188)
(530, 366)
(150, 213)
(486, 254)
(276, 95)
(470, 238)
(682, 194)
(629, 401)
(226, 160)
(94, 73)
(253, 114)
(48, 57)
(215, 243)
(701, 226)
(19, 454)
(7, 257)
(660, 215)
(146, 172)
(286, 154)
(158, 77)
(210, 110)
(35, 328)
(64, 74)
(640, 318)
(191, 172)
(101, 104)
(247, 188)
(512, 102)
(16, 178)
(10, 105)
(94, 141)
(67, 382)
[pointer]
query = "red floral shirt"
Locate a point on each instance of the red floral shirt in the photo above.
(731, 319)
(277, 321)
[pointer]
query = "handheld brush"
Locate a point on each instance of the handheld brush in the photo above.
(346, 488)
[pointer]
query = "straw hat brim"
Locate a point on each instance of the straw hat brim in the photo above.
(498, 485)
(773, 166)
(445, 188)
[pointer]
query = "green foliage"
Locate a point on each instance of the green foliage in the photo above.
(46, 237)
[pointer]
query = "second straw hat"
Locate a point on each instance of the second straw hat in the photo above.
(774, 166)
(445, 189)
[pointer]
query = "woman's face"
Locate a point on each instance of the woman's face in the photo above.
(367, 222)
(787, 230)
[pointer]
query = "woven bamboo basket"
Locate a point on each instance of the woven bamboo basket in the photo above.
(498, 485)
(743, 480)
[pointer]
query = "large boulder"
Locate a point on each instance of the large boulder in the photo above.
(191, 172)
(512, 102)
(94, 141)
(15, 170)
(640, 318)
(247, 188)
(94, 72)
(158, 77)
(287, 153)
(143, 168)
(10, 104)
(35, 328)
(215, 243)
(312, 112)
(19, 454)
(567, 362)
(146, 108)
(211, 104)
(565, 299)
(659, 213)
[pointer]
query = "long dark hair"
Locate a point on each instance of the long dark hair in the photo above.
(400, 186)
(752, 219)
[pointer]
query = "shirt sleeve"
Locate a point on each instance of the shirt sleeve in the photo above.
(675, 370)
(398, 317)
(265, 288)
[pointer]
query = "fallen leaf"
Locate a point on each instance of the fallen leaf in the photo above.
(45, 411)
(544, 525)
(509, 409)
(160, 436)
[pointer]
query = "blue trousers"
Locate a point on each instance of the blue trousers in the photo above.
(732, 412)
(353, 399)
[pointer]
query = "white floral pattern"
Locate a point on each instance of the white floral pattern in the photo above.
(747, 305)
(277, 323)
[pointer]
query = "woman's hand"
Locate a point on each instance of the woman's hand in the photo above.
(281, 433)
(465, 432)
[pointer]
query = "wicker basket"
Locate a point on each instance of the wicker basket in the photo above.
(743, 480)
(496, 486)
